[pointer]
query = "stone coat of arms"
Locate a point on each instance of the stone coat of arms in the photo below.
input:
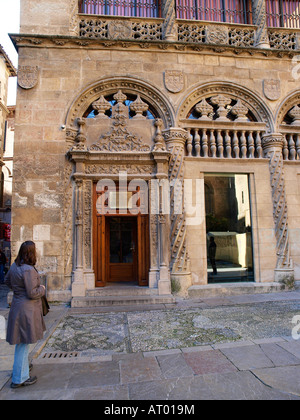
(174, 81)
(28, 76)
(272, 89)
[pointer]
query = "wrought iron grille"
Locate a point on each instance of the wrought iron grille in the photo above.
(130, 8)
(283, 13)
(230, 11)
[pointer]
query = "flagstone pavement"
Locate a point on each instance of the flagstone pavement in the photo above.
(228, 348)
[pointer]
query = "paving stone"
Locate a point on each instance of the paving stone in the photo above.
(292, 346)
(278, 355)
(174, 366)
(108, 393)
(189, 388)
(139, 370)
(281, 378)
(209, 362)
(86, 375)
(241, 386)
(247, 357)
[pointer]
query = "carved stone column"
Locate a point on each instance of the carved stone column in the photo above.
(78, 286)
(89, 275)
(272, 146)
(169, 26)
(176, 139)
(260, 19)
(161, 157)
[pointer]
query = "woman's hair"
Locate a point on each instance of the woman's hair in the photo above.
(27, 254)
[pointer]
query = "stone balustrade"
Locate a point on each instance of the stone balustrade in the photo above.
(185, 31)
(225, 142)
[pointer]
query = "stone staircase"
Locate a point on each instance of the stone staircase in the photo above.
(121, 295)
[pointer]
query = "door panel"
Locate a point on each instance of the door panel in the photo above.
(121, 249)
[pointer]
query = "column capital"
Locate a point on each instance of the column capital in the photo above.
(272, 141)
(177, 136)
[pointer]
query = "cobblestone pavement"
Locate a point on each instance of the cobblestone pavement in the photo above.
(236, 347)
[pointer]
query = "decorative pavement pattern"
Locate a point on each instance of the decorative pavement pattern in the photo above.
(132, 332)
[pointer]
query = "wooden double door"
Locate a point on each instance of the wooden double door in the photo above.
(121, 249)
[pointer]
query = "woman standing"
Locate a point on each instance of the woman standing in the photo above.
(25, 322)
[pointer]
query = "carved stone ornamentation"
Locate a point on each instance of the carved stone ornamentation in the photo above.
(119, 139)
(176, 140)
(240, 110)
(217, 34)
(174, 80)
(222, 101)
(272, 89)
(119, 30)
(295, 114)
(205, 110)
(272, 145)
(101, 105)
(139, 106)
(260, 19)
(80, 139)
(28, 76)
(160, 145)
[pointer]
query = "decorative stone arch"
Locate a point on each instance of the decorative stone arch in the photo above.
(258, 108)
(293, 99)
(97, 149)
(110, 86)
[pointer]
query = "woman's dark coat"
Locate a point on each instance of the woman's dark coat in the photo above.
(25, 322)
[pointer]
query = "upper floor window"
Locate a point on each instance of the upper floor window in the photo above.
(131, 8)
(283, 13)
(230, 11)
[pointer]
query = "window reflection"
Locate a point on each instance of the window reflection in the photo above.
(228, 228)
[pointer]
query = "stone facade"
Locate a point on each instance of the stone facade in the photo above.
(7, 115)
(239, 81)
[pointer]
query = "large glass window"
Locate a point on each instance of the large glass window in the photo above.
(228, 228)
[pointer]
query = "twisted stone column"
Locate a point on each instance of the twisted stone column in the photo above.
(169, 26)
(272, 146)
(260, 19)
(176, 139)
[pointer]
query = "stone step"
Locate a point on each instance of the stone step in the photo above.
(121, 291)
(227, 289)
(109, 301)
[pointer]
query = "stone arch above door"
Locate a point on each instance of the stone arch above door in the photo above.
(128, 85)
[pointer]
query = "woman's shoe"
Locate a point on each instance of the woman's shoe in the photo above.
(32, 380)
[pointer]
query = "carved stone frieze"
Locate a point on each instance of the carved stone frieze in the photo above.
(116, 169)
